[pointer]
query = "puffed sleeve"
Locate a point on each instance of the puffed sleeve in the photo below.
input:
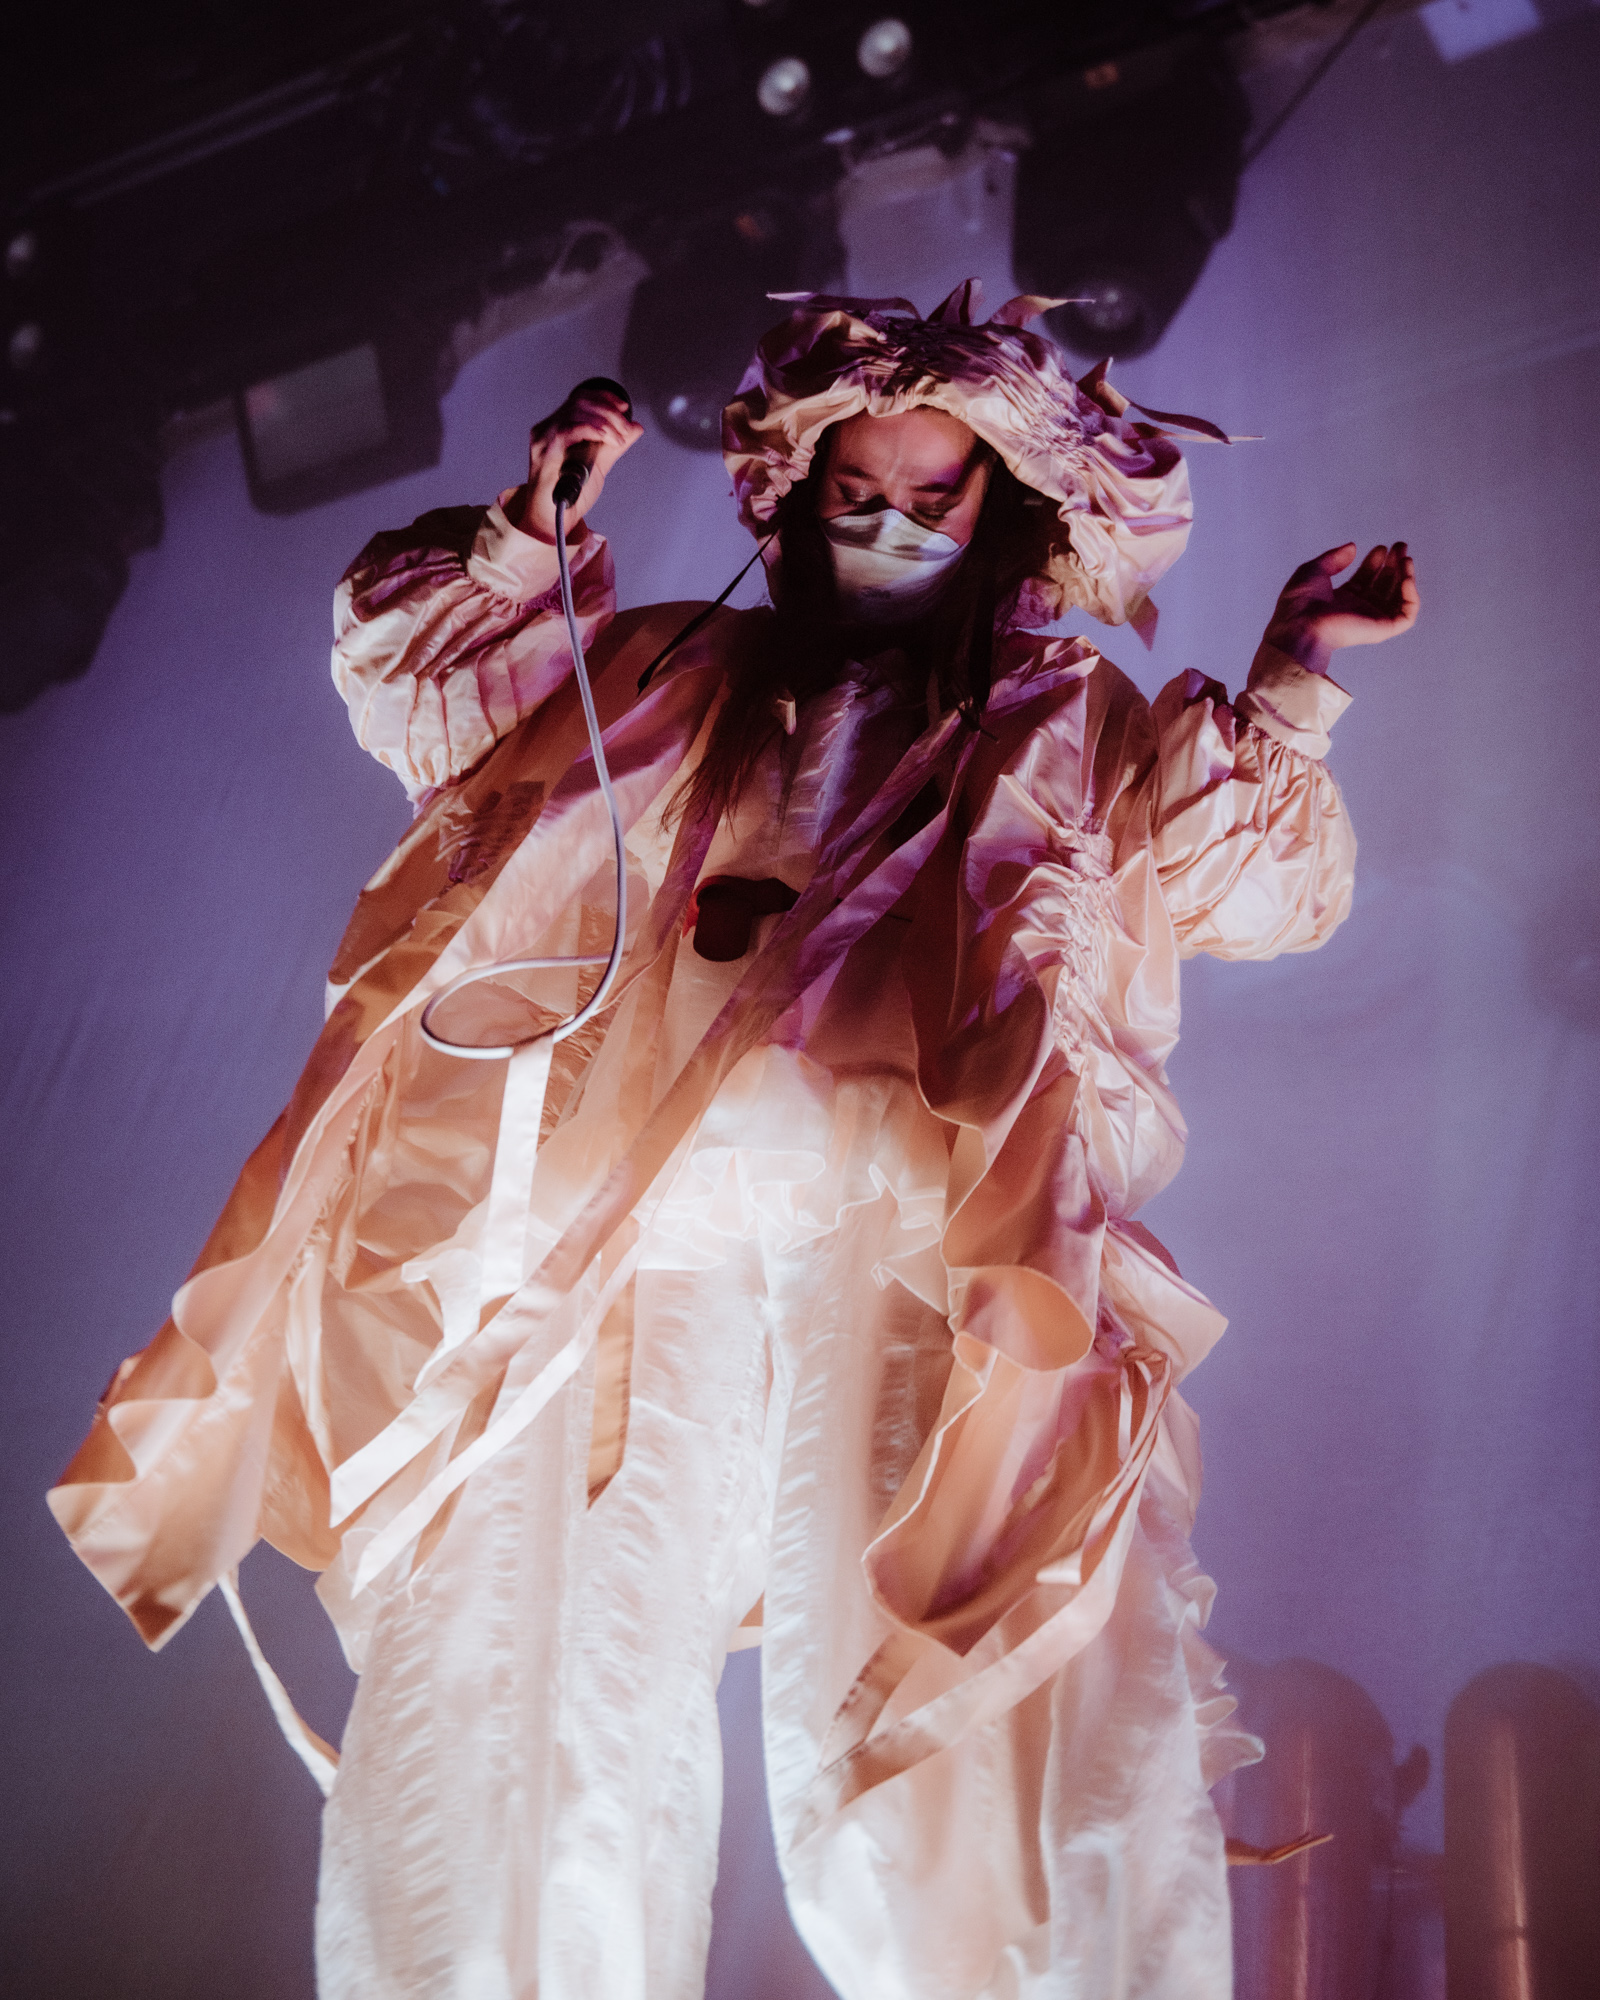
(448, 633)
(1250, 838)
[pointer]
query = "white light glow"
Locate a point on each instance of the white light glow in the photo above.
(885, 49)
(784, 87)
(1466, 27)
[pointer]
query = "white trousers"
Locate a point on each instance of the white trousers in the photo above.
(531, 1780)
(528, 1799)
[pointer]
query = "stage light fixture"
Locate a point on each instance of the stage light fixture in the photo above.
(690, 333)
(25, 345)
(24, 334)
(1120, 200)
(1109, 308)
(885, 49)
(694, 322)
(313, 417)
(57, 592)
(348, 420)
(785, 87)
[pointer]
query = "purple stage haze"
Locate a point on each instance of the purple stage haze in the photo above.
(1395, 1149)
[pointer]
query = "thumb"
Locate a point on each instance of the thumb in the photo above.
(1329, 563)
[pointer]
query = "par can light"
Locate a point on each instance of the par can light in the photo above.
(25, 345)
(785, 87)
(885, 49)
(1109, 306)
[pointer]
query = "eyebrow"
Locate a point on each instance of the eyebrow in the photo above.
(923, 486)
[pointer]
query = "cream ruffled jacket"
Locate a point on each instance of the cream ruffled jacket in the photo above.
(961, 1026)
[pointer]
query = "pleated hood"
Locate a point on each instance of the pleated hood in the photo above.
(1121, 487)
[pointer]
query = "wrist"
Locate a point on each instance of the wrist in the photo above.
(524, 514)
(1302, 644)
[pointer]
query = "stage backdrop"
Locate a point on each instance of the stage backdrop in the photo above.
(1392, 1169)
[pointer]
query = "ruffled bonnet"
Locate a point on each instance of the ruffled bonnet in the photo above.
(1121, 488)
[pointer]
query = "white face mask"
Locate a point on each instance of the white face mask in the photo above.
(888, 568)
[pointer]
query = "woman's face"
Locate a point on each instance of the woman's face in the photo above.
(925, 464)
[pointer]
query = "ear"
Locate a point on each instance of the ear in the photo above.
(958, 309)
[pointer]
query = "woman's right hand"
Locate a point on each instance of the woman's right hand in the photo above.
(593, 416)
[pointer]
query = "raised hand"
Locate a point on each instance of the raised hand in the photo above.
(593, 416)
(1315, 617)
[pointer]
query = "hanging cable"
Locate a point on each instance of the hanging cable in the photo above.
(575, 470)
(566, 491)
(688, 631)
(1259, 145)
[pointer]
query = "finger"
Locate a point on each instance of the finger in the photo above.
(609, 448)
(596, 415)
(606, 448)
(622, 431)
(594, 407)
(606, 426)
(610, 438)
(599, 406)
(1399, 579)
(1329, 563)
(600, 429)
(614, 423)
(597, 396)
(1387, 570)
(1368, 583)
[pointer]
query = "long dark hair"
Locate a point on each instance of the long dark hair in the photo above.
(809, 645)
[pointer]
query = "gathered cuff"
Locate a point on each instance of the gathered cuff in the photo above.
(517, 565)
(1290, 703)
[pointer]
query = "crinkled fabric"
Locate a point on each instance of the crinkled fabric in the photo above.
(1121, 487)
(822, 1309)
(431, 682)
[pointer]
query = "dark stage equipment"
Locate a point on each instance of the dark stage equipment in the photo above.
(1316, 1927)
(341, 423)
(293, 212)
(1522, 1836)
(1122, 196)
(694, 321)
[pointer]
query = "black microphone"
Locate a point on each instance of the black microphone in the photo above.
(579, 457)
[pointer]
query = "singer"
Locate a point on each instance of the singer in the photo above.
(799, 1297)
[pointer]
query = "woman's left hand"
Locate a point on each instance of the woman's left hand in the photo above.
(1315, 616)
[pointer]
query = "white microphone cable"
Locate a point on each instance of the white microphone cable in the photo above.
(568, 486)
